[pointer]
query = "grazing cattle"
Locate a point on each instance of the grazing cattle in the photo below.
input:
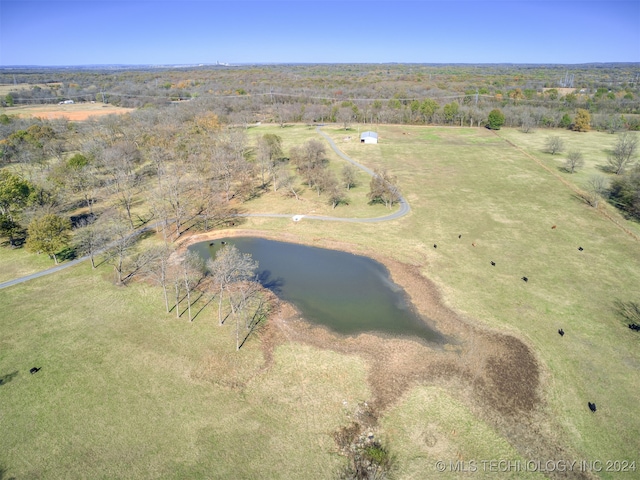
(223, 243)
(493, 263)
(34, 370)
(580, 248)
(592, 406)
(561, 332)
(553, 228)
(435, 246)
(460, 236)
(525, 279)
(634, 326)
(211, 244)
(473, 244)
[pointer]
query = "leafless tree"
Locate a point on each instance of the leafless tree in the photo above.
(349, 174)
(158, 271)
(345, 116)
(175, 191)
(310, 161)
(119, 163)
(383, 189)
(192, 270)
(596, 186)
(623, 152)
(251, 308)
(527, 122)
(574, 161)
(229, 267)
(554, 144)
(90, 238)
(121, 239)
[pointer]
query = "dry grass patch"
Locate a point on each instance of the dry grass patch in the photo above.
(73, 112)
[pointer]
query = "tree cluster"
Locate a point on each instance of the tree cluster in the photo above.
(411, 94)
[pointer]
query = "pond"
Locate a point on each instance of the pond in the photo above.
(348, 293)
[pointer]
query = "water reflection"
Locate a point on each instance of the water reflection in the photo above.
(348, 293)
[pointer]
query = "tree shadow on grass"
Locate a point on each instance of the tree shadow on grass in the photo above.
(67, 254)
(3, 474)
(4, 379)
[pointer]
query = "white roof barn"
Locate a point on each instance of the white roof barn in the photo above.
(368, 137)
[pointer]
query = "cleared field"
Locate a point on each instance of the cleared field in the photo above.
(8, 88)
(126, 391)
(74, 112)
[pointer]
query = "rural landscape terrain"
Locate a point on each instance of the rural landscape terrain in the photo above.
(503, 199)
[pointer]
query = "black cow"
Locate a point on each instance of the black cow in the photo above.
(493, 263)
(561, 332)
(580, 248)
(435, 246)
(592, 406)
(525, 279)
(34, 370)
(634, 326)
(460, 236)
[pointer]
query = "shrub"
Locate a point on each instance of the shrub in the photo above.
(496, 119)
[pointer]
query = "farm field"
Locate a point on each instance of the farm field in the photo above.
(73, 112)
(128, 391)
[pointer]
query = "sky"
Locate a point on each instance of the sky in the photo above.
(170, 32)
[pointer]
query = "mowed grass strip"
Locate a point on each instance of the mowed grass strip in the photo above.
(127, 391)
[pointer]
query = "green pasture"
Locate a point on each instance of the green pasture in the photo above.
(15, 263)
(127, 391)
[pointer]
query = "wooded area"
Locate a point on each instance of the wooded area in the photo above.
(183, 161)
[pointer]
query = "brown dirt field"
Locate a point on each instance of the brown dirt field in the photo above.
(496, 374)
(74, 112)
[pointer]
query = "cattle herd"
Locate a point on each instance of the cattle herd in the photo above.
(632, 326)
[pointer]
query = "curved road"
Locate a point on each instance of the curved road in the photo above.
(402, 211)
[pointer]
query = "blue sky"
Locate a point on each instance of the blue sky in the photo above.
(84, 32)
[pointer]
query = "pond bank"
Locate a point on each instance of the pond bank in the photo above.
(496, 374)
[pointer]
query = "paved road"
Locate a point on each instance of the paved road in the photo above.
(402, 211)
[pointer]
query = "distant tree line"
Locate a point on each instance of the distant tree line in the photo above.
(529, 97)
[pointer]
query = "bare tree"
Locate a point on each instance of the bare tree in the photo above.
(383, 189)
(176, 192)
(251, 309)
(268, 154)
(345, 116)
(90, 238)
(158, 271)
(349, 173)
(596, 186)
(336, 195)
(554, 145)
(527, 122)
(119, 163)
(192, 273)
(623, 153)
(121, 239)
(310, 161)
(229, 267)
(574, 161)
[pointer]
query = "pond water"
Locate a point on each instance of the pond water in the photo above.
(348, 293)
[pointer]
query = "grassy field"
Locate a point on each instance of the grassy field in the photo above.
(129, 392)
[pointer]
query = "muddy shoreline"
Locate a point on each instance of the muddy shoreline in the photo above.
(496, 374)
